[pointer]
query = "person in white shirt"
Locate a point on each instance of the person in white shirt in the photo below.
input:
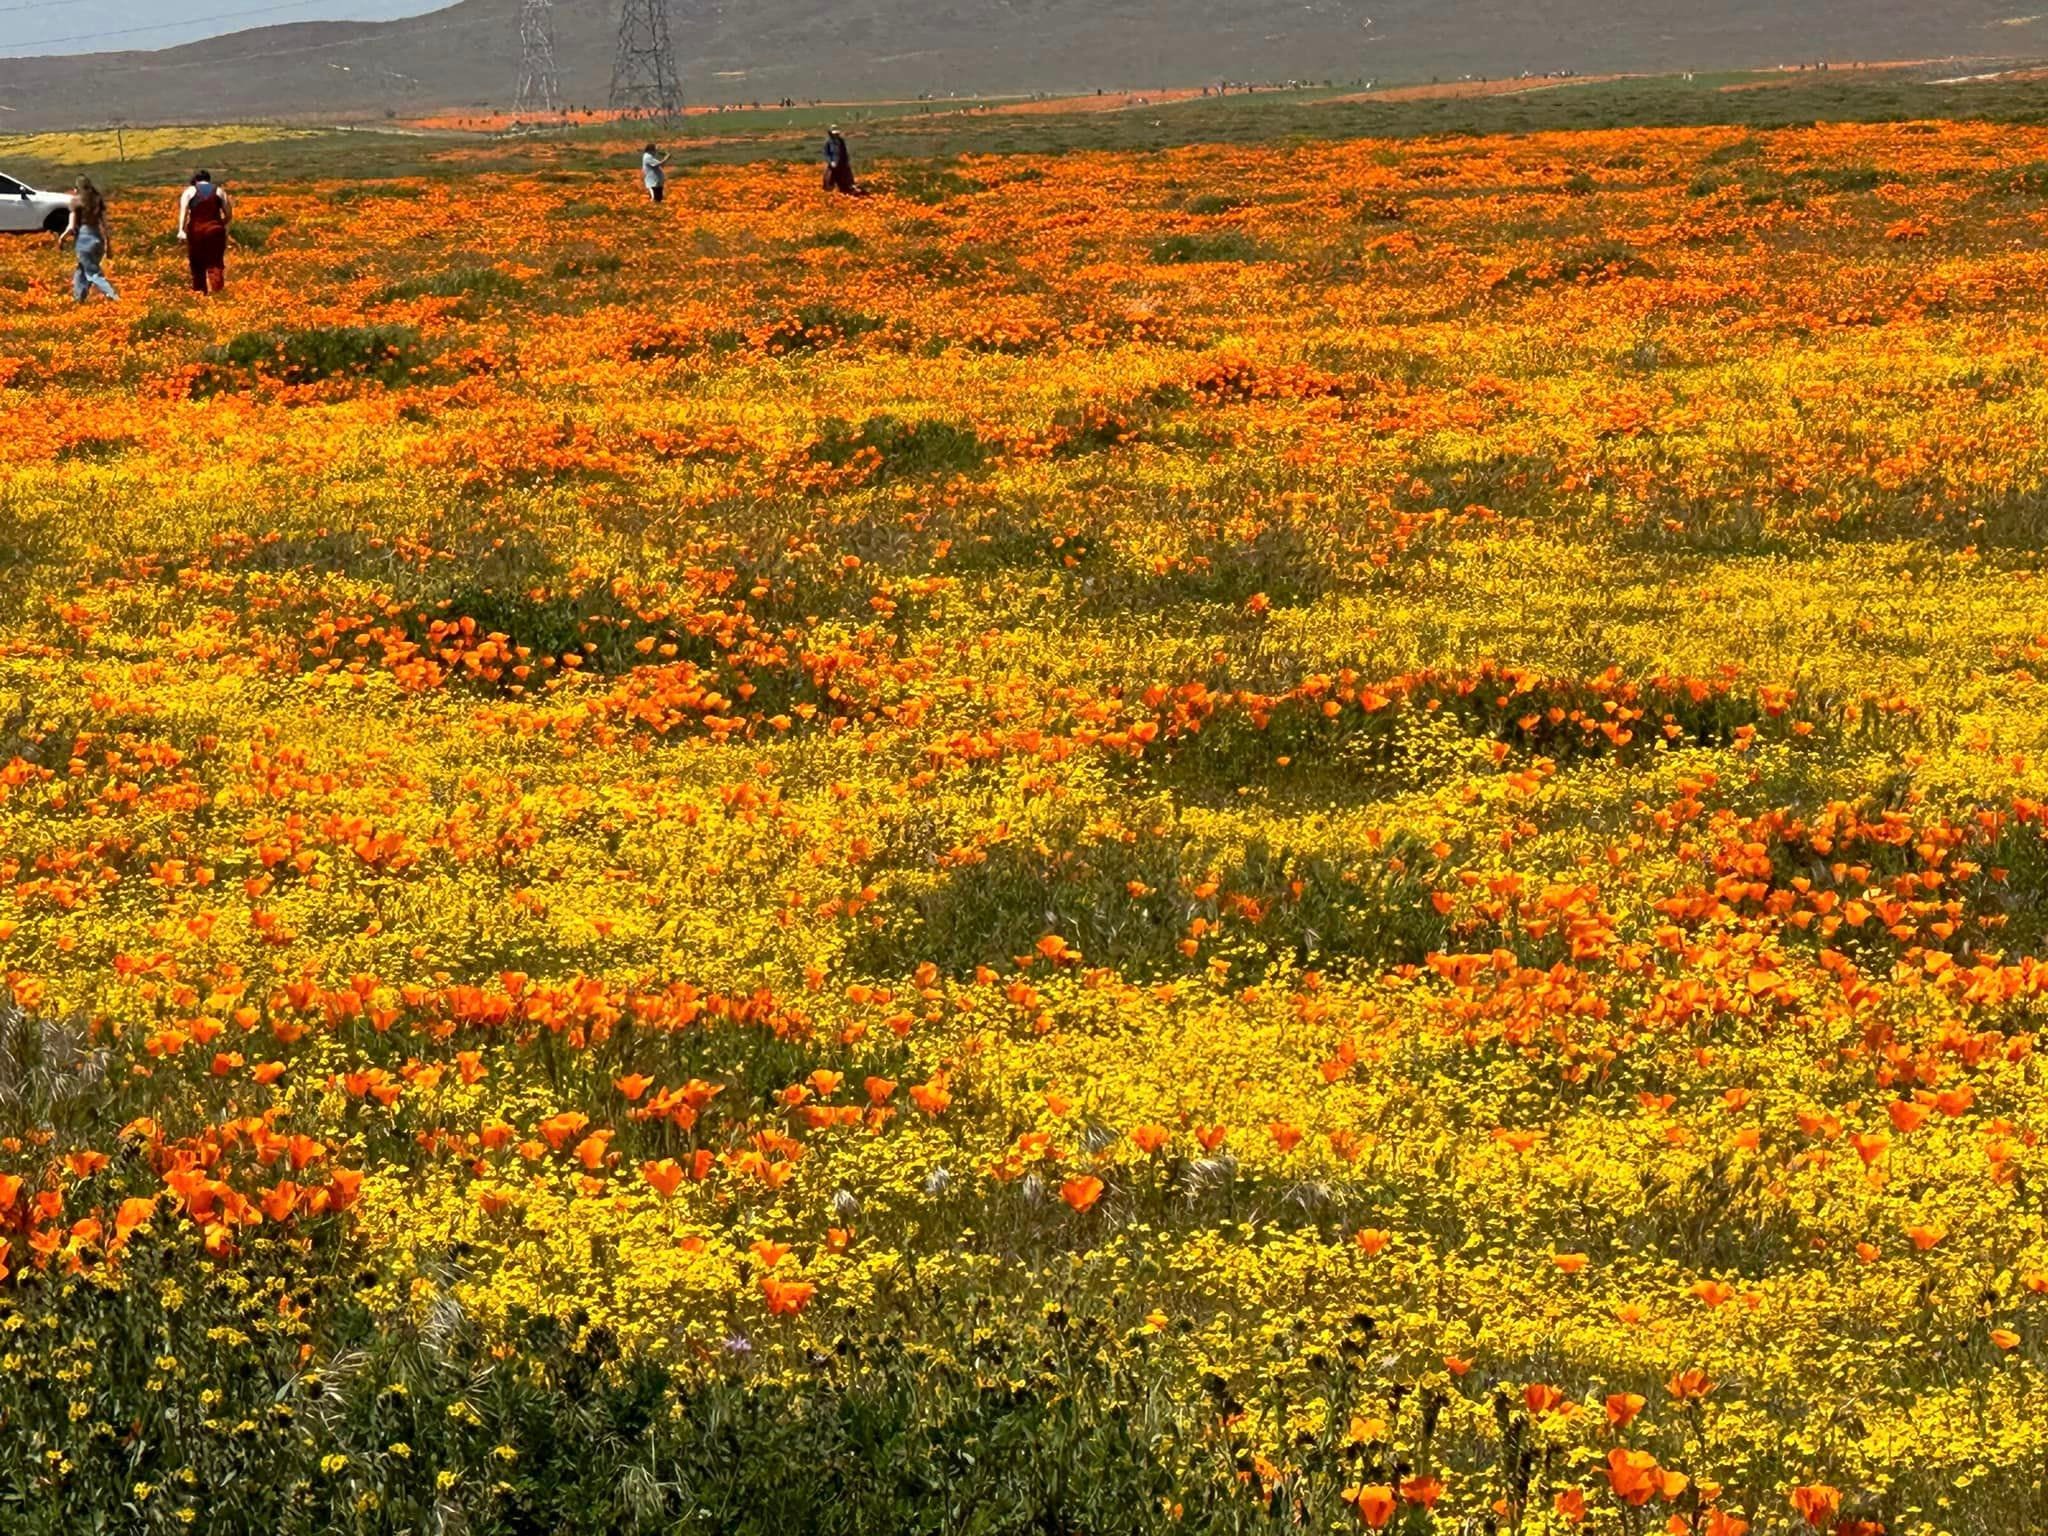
(651, 163)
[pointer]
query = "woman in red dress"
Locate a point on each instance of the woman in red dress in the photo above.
(204, 213)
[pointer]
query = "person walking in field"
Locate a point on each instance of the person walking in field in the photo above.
(88, 232)
(204, 213)
(652, 174)
(838, 163)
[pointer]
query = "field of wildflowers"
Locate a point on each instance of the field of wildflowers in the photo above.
(1316, 837)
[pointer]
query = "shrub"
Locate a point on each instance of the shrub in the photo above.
(157, 324)
(819, 325)
(602, 263)
(927, 447)
(1227, 246)
(387, 354)
(253, 234)
(479, 283)
(1851, 178)
(932, 184)
(1601, 261)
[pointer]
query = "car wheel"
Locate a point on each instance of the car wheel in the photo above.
(57, 222)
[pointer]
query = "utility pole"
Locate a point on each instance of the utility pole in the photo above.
(540, 91)
(644, 67)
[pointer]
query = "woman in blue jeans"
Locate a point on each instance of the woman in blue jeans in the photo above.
(88, 227)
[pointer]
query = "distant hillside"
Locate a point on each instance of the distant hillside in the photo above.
(731, 50)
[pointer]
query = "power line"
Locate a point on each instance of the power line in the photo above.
(644, 68)
(540, 91)
(163, 26)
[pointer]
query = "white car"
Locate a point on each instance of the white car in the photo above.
(24, 210)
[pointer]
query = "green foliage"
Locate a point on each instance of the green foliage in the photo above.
(1225, 246)
(253, 234)
(595, 264)
(930, 184)
(351, 193)
(1343, 919)
(223, 1397)
(1599, 261)
(1846, 178)
(387, 354)
(477, 283)
(157, 324)
(907, 448)
(817, 325)
(2028, 180)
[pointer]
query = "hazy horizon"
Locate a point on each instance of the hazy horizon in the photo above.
(54, 27)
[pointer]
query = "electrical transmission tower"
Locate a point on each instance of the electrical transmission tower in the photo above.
(644, 68)
(540, 89)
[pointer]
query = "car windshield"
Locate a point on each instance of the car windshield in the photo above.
(9, 187)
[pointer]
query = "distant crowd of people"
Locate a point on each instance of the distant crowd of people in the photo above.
(204, 213)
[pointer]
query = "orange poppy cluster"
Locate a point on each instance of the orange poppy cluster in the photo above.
(1449, 729)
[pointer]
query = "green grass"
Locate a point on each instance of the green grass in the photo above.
(387, 353)
(1227, 245)
(887, 137)
(905, 448)
(477, 283)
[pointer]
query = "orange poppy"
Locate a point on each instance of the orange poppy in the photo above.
(663, 1177)
(1636, 1478)
(1083, 1192)
(1689, 1384)
(1622, 1407)
(1423, 1491)
(590, 1151)
(1816, 1503)
(557, 1129)
(786, 1298)
(1376, 1505)
(1148, 1139)
(1906, 1116)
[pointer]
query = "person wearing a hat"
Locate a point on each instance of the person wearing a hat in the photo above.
(838, 163)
